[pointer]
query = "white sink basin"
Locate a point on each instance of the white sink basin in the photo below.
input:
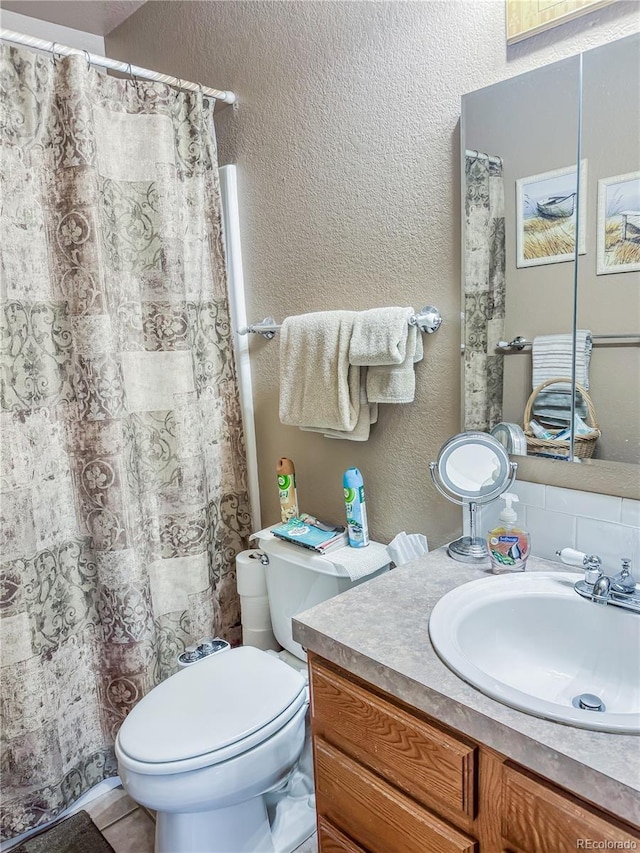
(530, 641)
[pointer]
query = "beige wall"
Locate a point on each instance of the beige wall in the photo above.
(346, 141)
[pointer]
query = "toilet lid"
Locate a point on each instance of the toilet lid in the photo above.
(208, 706)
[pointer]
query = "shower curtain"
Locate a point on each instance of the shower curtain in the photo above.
(484, 291)
(124, 497)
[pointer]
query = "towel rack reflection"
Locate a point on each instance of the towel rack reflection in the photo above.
(428, 320)
(519, 343)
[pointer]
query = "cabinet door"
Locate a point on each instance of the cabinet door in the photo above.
(375, 814)
(434, 767)
(331, 840)
(538, 819)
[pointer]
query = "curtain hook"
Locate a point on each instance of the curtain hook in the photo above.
(53, 51)
(87, 56)
(130, 73)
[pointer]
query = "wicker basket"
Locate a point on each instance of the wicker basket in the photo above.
(584, 446)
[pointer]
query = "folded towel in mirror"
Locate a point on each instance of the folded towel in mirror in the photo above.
(551, 356)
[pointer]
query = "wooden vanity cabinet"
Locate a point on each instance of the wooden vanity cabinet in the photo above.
(391, 780)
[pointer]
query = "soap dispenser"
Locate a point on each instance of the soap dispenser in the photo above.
(508, 543)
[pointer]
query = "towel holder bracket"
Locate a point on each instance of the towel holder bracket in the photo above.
(267, 328)
(428, 320)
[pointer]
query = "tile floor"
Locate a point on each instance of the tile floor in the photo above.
(130, 828)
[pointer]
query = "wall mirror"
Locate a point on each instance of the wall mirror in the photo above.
(521, 140)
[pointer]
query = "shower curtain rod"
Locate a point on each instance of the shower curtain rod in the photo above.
(478, 155)
(57, 49)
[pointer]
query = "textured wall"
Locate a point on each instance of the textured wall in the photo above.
(347, 145)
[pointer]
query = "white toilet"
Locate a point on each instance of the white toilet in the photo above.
(212, 748)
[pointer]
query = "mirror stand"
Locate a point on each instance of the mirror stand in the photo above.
(473, 468)
(472, 548)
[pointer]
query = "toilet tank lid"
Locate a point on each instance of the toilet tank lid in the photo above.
(336, 563)
(211, 705)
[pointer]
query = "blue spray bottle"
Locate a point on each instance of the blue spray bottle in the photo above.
(357, 527)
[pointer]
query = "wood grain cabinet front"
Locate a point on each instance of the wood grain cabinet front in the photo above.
(536, 817)
(405, 749)
(375, 814)
(391, 781)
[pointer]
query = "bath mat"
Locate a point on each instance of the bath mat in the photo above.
(75, 834)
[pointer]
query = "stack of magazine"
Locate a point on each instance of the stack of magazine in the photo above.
(301, 531)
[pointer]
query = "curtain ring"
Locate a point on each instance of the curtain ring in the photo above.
(130, 73)
(53, 51)
(87, 56)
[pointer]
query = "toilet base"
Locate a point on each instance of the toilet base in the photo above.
(243, 828)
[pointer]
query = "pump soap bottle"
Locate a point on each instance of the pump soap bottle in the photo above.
(508, 543)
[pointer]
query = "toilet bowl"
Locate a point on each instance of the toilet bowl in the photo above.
(204, 747)
(221, 750)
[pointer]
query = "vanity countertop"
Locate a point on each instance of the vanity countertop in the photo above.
(379, 632)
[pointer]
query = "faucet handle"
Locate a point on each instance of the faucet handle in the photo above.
(589, 562)
(624, 581)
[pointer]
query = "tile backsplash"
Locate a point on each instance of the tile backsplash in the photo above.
(559, 518)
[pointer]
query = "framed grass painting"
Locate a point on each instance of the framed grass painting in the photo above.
(546, 207)
(526, 18)
(618, 243)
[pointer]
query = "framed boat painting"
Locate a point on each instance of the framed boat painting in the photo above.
(618, 242)
(546, 212)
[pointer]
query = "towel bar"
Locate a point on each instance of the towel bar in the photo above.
(428, 320)
(519, 343)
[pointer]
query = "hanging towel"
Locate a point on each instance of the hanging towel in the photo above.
(380, 336)
(368, 415)
(318, 386)
(551, 356)
(396, 383)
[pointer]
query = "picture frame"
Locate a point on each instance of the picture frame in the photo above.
(526, 18)
(618, 239)
(546, 216)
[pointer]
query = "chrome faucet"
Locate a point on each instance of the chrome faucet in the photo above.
(620, 590)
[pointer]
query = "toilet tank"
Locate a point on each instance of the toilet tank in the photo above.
(298, 578)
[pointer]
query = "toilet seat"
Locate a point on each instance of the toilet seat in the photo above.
(225, 705)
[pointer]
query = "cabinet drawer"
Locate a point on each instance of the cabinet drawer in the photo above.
(537, 819)
(433, 766)
(375, 814)
(331, 840)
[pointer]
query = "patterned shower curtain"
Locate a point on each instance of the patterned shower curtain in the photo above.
(124, 495)
(484, 291)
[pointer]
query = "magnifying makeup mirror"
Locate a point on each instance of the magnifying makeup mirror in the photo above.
(473, 468)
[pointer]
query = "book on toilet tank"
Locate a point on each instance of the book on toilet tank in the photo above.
(301, 533)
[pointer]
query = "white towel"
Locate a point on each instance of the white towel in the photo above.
(551, 356)
(318, 386)
(368, 415)
(396, 383)
(380, 336)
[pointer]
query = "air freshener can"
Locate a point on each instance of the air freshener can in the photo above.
(357, 527)
(286, 473)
